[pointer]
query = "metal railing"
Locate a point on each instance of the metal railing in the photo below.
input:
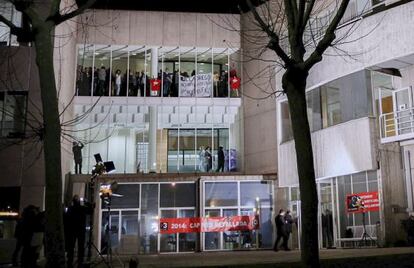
(397, 125)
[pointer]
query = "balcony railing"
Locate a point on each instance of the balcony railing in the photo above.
(397, 126)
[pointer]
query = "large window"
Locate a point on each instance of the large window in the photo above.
(239, 198)
(13, 108)
(339, 101)
(105, 70)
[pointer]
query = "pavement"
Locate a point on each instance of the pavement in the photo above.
(362, 257)
(366, 257)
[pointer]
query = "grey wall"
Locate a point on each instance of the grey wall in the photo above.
(158, 28)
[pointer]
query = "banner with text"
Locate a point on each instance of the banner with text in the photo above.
(208, 224)
(204, 85)
(362, 202)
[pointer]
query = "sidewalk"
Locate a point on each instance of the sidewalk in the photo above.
(371, 257)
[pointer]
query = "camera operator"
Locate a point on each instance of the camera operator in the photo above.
(75, 225)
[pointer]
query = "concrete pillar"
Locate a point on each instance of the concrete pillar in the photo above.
(152, 147)
(153, 116)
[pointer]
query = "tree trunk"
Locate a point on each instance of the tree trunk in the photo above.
(54, 247)
(294, 84)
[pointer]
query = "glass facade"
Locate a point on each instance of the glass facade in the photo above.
(337, 227)
(243, 198)
(109, 70)
(339, 101)
(132, 223)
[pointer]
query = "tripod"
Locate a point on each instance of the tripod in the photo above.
(108, 232)
(365, 236)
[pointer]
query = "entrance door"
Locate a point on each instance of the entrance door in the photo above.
(326, 215)
(403, 100)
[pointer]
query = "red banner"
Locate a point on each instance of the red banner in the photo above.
(155, 84)
(362, 202)
(208, 224)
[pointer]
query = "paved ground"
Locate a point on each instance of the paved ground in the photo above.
(375, 257)
(371, 257)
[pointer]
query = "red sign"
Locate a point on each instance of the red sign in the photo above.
(235, 83)
(362, 202)
(155, 84)
(208, 224)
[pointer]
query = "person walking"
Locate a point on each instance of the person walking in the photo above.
(288, 229)
(220, 162)
(77, 156)
(19, 241)
(75, 225)
(208, 159)
(280, 228)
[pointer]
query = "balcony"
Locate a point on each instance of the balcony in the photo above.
(396, 119)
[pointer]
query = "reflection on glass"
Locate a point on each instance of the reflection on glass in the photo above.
(253, 192)
(149, 218)
(168, 242)
(177, 195)
(129, 196)
(109, 232)
(102, 71)
(231, 239)
(129, 232)
(220, 194)
(212, 240)
(187, 241)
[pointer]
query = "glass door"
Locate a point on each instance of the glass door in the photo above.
(294, 207)
(326, 218)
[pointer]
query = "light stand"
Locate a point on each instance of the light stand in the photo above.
(365, 236)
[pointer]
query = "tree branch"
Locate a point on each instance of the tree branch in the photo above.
(58, 18)
(328, 38)
(274, 38)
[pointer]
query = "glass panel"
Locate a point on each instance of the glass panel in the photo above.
(84, 71)
(313, 101)
(231, 239)
(235, 80)
(346, 219)
(149, 218)
(256, 193)
(326, 214)
(249, 238)
(129, 198)
(129, 232)
(219, 194)
(142, 150)
(204, 163)
(204, 78)
(177, 195)
(221, 77)
(137, 77)
(119, 71)
(109, 232)
(287, 133)
(187, 73)
(212, 240)
(266, 228)
(168, 242)
(187, 241)
(221, 151)
(187, 155)
(13, 113)
(172, 160)
(102, 72)
(331, 106)
(168, 74)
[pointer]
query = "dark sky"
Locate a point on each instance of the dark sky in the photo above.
(205, 6)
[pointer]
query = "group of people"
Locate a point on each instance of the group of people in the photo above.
(283, 222)
(29, 234)
(98, 80)
(206, 159)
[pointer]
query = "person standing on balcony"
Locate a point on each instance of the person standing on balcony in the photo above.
(118, 81)
(101, 81)
(208, 159)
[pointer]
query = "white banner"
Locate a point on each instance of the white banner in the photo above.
(204, 85)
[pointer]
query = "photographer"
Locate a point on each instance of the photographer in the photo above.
(75, 224)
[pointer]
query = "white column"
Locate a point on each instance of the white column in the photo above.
(153, 116)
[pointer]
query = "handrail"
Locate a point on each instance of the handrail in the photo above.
(394, 124)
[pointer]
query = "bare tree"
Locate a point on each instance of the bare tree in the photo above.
(43, 17)
(298, 32)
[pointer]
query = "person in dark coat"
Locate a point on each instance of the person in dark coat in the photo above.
(19, 241)
(77, 156)
(75, 225)
(280, 229)
(288, 229)
(220, 162)
(29, 223)
(208, 159)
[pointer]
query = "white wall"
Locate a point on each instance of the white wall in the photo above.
(121, 27)
(339, 150)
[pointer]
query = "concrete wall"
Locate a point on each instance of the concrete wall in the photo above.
(122, 27)
(339, 150)
(22, 164)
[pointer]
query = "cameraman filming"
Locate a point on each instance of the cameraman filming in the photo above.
(75, 225)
